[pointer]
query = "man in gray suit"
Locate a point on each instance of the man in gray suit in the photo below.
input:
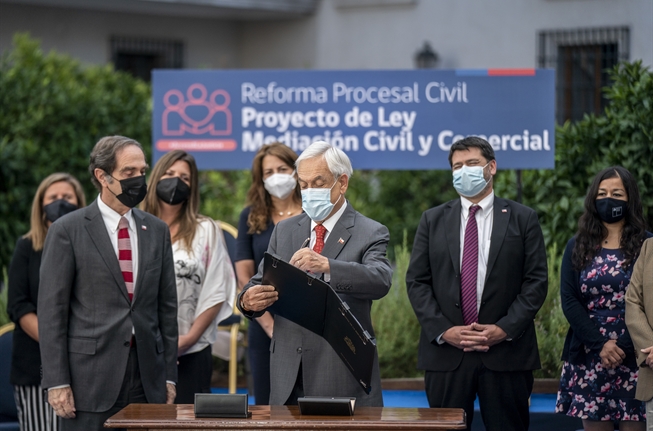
(349, 250)
(107, 298)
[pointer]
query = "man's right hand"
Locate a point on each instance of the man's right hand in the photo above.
(62, 401)
(258, 298)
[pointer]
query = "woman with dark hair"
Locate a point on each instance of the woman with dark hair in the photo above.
(273, 196)
(56, 196)
(206, 284)
(599, 375)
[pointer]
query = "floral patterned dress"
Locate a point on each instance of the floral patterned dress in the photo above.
(590, 391)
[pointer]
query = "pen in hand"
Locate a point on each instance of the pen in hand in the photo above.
(306, 242)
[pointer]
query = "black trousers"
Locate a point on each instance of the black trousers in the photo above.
(503, 395)
(194, 375)
(131, 392)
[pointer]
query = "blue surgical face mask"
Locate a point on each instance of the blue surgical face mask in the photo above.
(316, 203)
(469, 181)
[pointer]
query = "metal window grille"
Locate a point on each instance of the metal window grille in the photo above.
(582, 58)
(140, 55)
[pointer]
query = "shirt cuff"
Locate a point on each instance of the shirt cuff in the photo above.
(439, 340)
(171, 382)
(58, 387)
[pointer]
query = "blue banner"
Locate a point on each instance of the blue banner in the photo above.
(381, 119)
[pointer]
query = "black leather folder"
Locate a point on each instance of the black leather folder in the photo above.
(326, 406)
(311, 303)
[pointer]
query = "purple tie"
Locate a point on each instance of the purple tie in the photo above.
(469, 269)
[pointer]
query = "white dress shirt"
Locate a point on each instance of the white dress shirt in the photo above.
(329, 224)
(484, 219)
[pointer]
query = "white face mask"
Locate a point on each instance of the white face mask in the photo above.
(316, 203)
(280, 185)
(469, 181)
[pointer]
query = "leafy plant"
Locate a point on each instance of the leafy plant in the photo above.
(4, 317)
(623, 135)
(223, 194)
(395, 324)
(52, 112)
(550, 323)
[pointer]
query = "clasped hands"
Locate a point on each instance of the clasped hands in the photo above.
(258, 298)
(611, 355)
(474, 337)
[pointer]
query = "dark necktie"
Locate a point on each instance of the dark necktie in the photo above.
(125, 256)
(320, 232)
(469, 269)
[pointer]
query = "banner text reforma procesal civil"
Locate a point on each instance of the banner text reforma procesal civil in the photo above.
(435, 92)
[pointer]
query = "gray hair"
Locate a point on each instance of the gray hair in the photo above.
(104, 153)
(336, 159)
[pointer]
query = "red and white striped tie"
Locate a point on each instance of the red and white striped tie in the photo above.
(125, 255)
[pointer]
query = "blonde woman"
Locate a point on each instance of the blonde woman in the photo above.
(206, 284)
(56, 196)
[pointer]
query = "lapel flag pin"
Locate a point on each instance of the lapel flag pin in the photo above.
(504, 211)
(143, 227)
(341, 241)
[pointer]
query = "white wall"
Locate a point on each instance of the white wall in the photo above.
(208, 43)
(465, 33)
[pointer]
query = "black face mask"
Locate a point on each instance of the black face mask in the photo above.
(611, 210)
(172, 191)
(57, 209)
(134, 190)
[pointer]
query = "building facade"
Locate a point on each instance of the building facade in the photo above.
(580, 38)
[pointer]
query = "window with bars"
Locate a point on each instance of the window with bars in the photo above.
(139, 56)
(582, 58)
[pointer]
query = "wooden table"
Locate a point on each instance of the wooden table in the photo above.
(155, 417)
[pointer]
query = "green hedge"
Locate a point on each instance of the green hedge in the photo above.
(52, 111)
(623, 135)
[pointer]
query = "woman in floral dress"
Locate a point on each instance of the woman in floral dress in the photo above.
(599, 375)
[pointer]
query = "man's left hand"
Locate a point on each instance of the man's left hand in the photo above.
(307, 260)
(171, 393)
(492, 333)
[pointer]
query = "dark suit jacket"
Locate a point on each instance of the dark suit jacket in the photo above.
(22, 296)
(86, 318)
(515, 285)
(360, 273)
